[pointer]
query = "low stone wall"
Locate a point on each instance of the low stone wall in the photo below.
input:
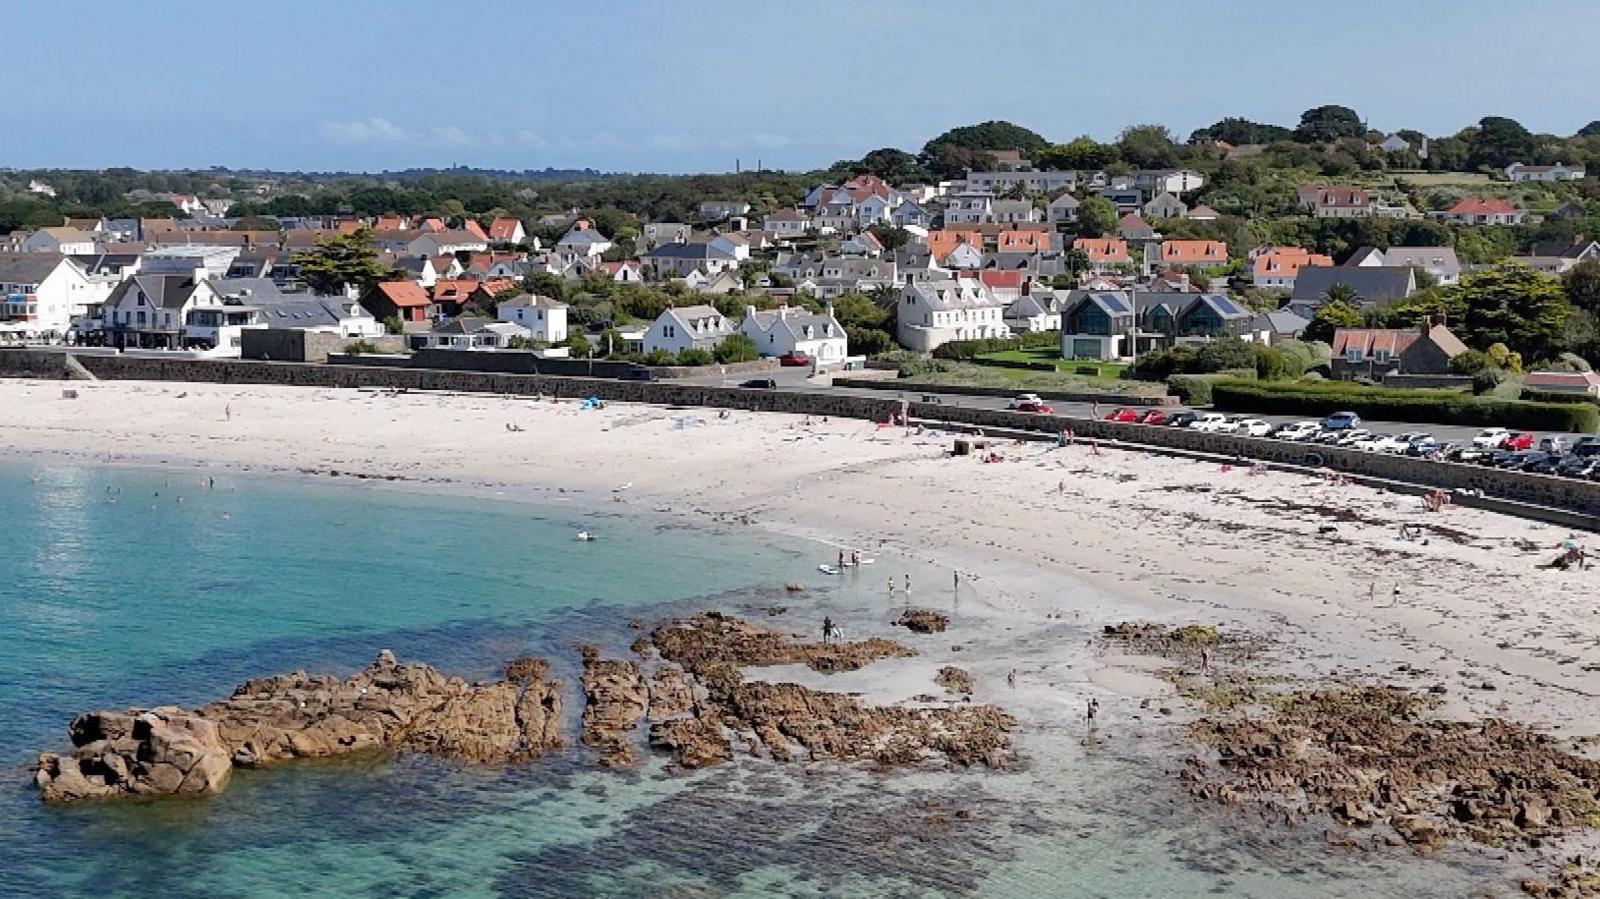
(291, 345)
(1582, 497)
(519, 362)
(1063, 396)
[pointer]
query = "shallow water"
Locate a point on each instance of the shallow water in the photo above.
(146, 600)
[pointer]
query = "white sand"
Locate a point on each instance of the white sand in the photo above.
(1052, 543)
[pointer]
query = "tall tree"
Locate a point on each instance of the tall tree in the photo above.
(341, 260)
(1582, 285)
(971, 146)
(1081, 152)
(1337, 312)
(1498, 142)
(1321, 124)
(1096, 216)
(891, 164)
(1147, 146)
(1238, 131)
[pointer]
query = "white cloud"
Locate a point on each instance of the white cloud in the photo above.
(530, 138)
(365, 131)
(450, 134)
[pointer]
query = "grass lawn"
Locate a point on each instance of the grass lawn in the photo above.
(1109, 370)
(1022, 380)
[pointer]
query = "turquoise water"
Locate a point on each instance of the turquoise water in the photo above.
(116, 594)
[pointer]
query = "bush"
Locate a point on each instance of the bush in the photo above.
(691, 356)
(1487, 379)
(659, 357)
(1191, 390)
(967, 350)
(1277, 365)
(910, 363)
(1226, 353)
(1553, 396)
(394, 325)
(736, 348)
(1424, 406)
(1159, 365)
(578, 345)
(1092, 370)
(1469, 363)
(868, 341)
(360, 346)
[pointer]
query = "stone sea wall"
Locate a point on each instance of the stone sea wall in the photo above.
(1581, 498)
(911, 388)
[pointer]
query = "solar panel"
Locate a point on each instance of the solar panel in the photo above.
(1114, 302)
(1227, 306)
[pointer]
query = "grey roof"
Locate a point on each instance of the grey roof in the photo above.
(1372, 284)
(1220, 303)
(584, 237)
(689, 251)
(1112, 302)
(946, 295)
(1441, 258)
(249, 267)
(1280, 321)
(301, 314)
(1561, 249)
(28, 268)
(96, 262)
(252, 291)
(164, 291)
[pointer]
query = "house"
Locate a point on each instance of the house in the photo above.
(1558, 172)
(1031, 181)
(1103, 253)
(654, 234)
(1368, 285)
(1377, 352)
(1172, 181)
(507, 230)
(628, 271)
(1006, 285)
(1035, 312)
(1166, 206)
(716, 210)
(1203, 213)
(148, 311)
(404, 300)
(1439, 262)
(1193, 253)
(1582, 383)
(1556, 257)
(1277, 267)
(42, 294)
(965, 256)
(1480, 211)
(1063, 209)
(545, 319)
(679, 328)
(1327, 202)
(332, 315)
(1133, 227)
(910, 215)
(863, 244)
(787, 223)
(787, 329)
(64, 240)
(942, 243)
(469, 333)
(418, 268)
(1009, 160)
(733, 243)
(1280, 324)
(41, 188)
(1394, 143)
(969, 207)
(723, 282)
(1567, 211)
(435, 243)
(582, 242)
(1012, 212)
(674, 260)
(1210, 316)
(934, 312)
(1124, 199)
(1096, 325)
(1023, 242)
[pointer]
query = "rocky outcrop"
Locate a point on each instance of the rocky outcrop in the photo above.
(388, 706)
(694, 742)
(713, 637)
(671, 693)
(956, 680)
(615, 696)
(923, 621)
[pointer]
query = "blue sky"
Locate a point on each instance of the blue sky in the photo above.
(690, 85)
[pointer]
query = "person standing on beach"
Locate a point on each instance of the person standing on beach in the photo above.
(908, 585)
(1094, 708)
(227, 411)
(827, 628)
(891, 585)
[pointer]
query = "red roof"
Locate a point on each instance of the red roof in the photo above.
(1100, 249)
(1480, 206)
(1182, 251)
(1369, 341)
(1287, 261)
(941, 243)
(1562, 380)
(1003, 279)
(1023, 241)
(504, 229)
(404, 293)
(475, 229)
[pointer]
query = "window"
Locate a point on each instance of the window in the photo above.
(1380, 355)
(1353, 354)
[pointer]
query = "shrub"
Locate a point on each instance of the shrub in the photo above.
(1229, 352)
(736, 348)
(578, 345)
(394, 325)
(1276, 365)
(1469, 363)
(868, 341)
(691, 356)
(1159, 365)
(1191, 390)
(911, 363)
(659, 357)
(1426, 406)
(1093, 370)
(967, 350)
(360, 346)
(1553, 396)
(1487, 379)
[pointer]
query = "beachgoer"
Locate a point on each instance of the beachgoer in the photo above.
(908, 585)
(855, 557)
(211, 483)
(1094, 708)
(1011, 678)
(227, 411)
(1205, 660)
(956, 575)
(827, 628)
(841, 558)
(891, 584)
(1094, 410)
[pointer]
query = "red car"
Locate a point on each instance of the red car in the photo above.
(1121, 414)
(1517, 440)
(794, 359)
(1042, 408)
(1152, 417)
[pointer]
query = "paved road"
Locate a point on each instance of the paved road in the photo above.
(799, 379)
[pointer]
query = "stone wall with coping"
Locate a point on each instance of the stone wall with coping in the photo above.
(910, 387)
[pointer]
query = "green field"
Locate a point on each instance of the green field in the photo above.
(1021, 379)
(1109, 370)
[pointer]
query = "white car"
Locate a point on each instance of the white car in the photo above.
(1300, 430)
(1210, 423)
(1395, 443)
(1369, 443)
(1027, 398)
(1351, 436)
(1489, 438)
(1252, 427)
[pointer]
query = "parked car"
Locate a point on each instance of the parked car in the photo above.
(1519, 459)
(1550, 464)
(1554, 444)
(1395, 443)
(1498, 457)
(1211, 422)
(1341, 421)
(1252, 427)
(760, 384)
(1038, 407)
(640, 373)
(1025, 399)
(1469, 453)
(1426, 446)
(1588, 445)
(794, 359)
(1350, 436)
(1122, 414)
(1151, 417)
(1367, 444)
(1517, 440)
(1490, 438)
(1182, 419)
(1300, 430)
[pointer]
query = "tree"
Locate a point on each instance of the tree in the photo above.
(1582, 285)
(1510, 304)
(891, 237)
(692, 356)
(255, 223)
(1096, 216)
(1590, 130)
(736, 348)
(1322, 124)
(1498, 142)
(1082, 152)
(969, 146)
(1147, 146)
(893, 165)
(578, 345)
(342, 260)
(1239, 131)
(1333, 315)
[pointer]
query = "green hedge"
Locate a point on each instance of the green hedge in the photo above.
(1191, 390)
(1426, 406)
(967, 350)
(1028, 364)
(1551, 396)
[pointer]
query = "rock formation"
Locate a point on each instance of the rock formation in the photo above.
(956, 680)
(923, 621)
(389, 706)
(614, 703)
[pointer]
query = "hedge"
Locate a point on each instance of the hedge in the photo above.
(1191, 390)
(1028, 364)
(967, 350)
(1556, 396)
(1415, 405)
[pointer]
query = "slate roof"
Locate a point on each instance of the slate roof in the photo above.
(28, 268)
(163, 291)
(688, 251)
(1372, 284)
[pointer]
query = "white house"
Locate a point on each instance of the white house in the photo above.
(970, 207)
(545, 319)
(1166, 206)
(674, 260)
(932, 313)
(1035, 312)
(1064, 209)
(679, 328)
(1172, 181)
(66, 240)
(713, 210)
(437, 243)
(582, 242)
(784, 330)
(41, 294)
(1394, 143)
(787, 223)
(470, 333)
(150, 311)
(1558, 172)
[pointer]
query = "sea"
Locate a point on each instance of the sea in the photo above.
(124, 587)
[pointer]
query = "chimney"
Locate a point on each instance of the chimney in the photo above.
(750, 312)
(827, 308)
